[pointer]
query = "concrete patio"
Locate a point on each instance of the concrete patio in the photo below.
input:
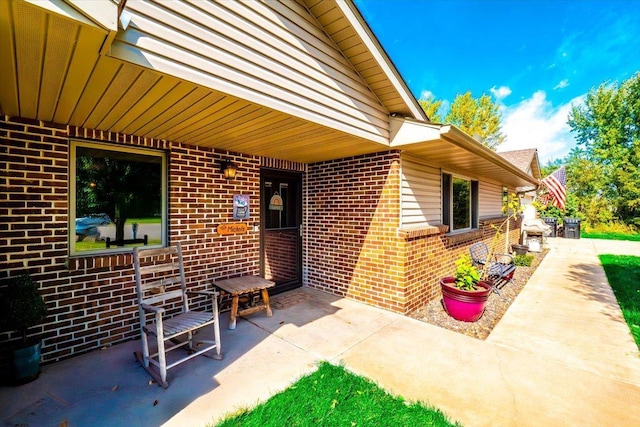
(562, 355)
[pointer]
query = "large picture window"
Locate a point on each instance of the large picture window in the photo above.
(118, 198)
(459, 203)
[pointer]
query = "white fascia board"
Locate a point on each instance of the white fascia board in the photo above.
(102, 12)
(368, 38)
(405, 132)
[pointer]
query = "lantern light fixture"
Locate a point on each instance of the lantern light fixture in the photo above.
(229, 169)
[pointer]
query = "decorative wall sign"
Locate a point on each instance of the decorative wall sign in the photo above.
(232, 228)
(240, 206)
(276, 204)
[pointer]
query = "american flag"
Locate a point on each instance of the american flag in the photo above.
(556, 186)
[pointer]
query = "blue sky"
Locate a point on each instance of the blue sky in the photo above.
(535, 57)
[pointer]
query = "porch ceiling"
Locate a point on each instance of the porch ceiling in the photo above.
(51, 70)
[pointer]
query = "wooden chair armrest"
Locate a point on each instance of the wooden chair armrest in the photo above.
(152, 309)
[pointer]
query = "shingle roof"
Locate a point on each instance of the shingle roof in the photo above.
(526, 160)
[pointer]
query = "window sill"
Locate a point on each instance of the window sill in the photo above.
(424, 231)
(463, 236)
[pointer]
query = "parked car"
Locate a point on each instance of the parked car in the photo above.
(87, 227)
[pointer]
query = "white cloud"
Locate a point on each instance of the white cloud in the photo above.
(426, 94)
(536, 123)
(562, 84)
(501, 92)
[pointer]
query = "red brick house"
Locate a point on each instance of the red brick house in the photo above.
(376, 201)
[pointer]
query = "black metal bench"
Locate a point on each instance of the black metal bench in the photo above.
(500, 270)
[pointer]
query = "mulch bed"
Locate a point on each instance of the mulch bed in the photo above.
(497, 305)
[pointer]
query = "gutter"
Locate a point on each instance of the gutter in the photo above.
(457, 137)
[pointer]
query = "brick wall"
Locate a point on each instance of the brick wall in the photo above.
(351, 229)
(355, 247)
(91, 299)
(431, 255)
(280, 257)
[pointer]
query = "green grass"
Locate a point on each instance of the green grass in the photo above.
(611, 236)
(623, 274)
(93, 246)
(150, 220)
(331, 396)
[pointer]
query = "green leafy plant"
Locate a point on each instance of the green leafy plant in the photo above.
(523, 260)
(466, 275)
(21, 306)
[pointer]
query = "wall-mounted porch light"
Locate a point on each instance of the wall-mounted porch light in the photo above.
(228, 169)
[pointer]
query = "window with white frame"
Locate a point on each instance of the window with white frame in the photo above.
(459, 202)
(117, 198)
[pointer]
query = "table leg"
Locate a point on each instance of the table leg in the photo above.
(234, 312)
(265, 299)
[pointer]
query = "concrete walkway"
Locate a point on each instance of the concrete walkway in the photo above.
(561, 356)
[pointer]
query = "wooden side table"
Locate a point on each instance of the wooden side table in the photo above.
(245, 285)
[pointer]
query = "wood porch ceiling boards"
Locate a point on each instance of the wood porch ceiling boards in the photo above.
(51, 70)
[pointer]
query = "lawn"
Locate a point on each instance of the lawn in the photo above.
(611, 236)
(331, 396)
(100, 244)
(623, 272)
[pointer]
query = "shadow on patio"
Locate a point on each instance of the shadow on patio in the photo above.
(261, 356)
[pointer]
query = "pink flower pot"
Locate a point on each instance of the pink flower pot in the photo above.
(467, 306)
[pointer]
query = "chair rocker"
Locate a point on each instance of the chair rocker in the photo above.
(163, 305)
(500, 269)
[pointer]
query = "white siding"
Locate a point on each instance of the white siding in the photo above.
(271, 53)
(421, 194)
(490, 200)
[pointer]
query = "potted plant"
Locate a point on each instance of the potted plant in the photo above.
(22, 307)
(465, 294)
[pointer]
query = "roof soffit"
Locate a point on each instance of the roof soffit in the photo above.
(449, 148)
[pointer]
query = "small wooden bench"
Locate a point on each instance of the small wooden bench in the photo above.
(246, 285)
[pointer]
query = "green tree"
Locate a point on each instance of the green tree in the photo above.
(607, 129)
(478, 117)
(121, 188)
(551, 166)
(431, 107)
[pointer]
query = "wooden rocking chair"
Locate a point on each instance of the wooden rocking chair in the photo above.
(162, 295)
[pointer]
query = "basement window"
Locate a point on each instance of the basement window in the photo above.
(117, 198)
